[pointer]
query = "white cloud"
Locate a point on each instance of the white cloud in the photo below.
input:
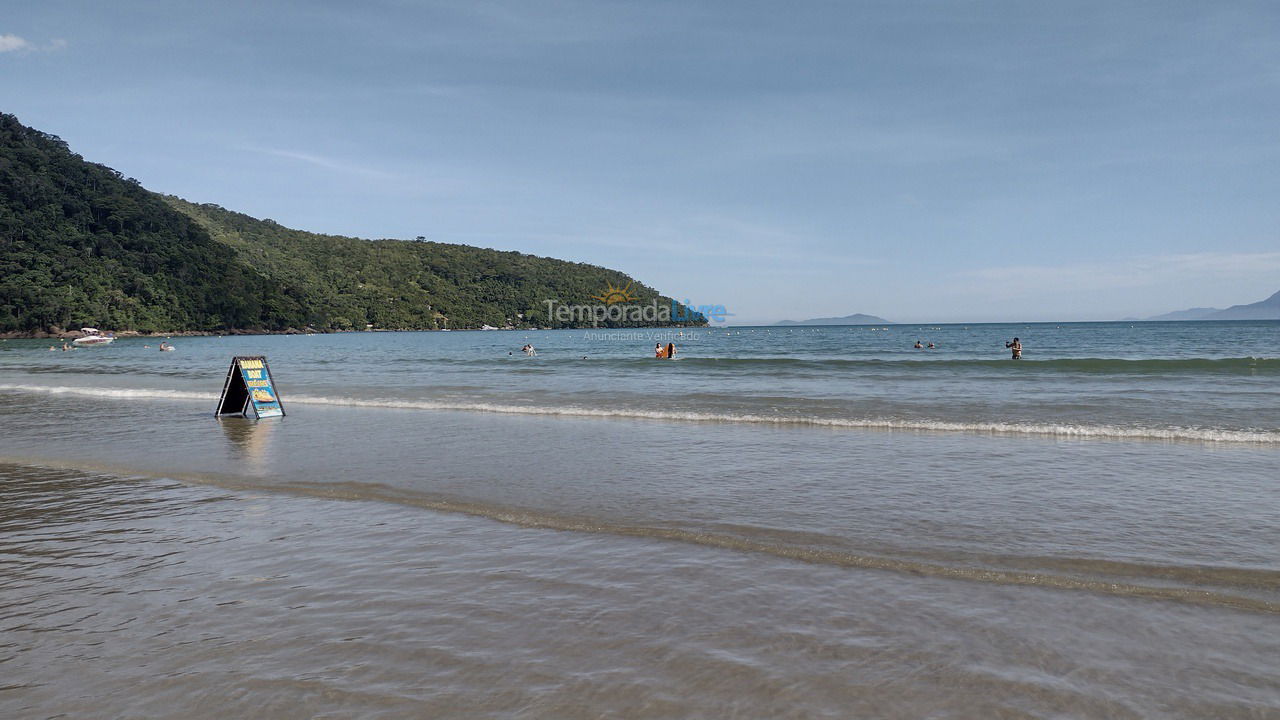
(14, 43)
(728, 241)
(326, 163)
(1138, 285)
(11, 43)
(1137, 272)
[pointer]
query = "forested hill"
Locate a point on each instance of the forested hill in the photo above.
(410, 284)
(81, 245)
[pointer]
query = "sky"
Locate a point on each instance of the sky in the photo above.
(925, 162)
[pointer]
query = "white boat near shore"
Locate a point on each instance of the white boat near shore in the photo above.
(93, 337)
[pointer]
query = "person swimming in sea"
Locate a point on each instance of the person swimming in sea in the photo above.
(659, 351)
(1016, 347)
(671, 351)
(918, 345)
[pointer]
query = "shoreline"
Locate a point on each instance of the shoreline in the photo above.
(72, 334)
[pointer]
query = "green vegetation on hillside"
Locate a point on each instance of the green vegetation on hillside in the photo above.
(81, 245)
(407, 284)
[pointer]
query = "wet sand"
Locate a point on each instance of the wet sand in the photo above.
(139, 597)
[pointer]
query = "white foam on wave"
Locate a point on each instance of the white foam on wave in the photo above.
(1121, 432)
(1078, 431)
(114, 393)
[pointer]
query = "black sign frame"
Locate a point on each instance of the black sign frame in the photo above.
(237, 398)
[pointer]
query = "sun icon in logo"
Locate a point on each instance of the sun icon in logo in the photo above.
(613, 295)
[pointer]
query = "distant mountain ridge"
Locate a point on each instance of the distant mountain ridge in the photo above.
(854, 319)
(1268, 309)
(1189, 314)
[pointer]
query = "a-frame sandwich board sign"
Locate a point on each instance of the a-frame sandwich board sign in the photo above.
(248, 386)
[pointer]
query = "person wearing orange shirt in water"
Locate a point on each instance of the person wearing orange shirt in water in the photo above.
(659, 351)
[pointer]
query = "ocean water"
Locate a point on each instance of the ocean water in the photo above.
(781, 522)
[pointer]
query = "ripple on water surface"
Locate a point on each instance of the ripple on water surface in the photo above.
(145, 597)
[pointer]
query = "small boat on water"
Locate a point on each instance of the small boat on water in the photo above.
(93, 337)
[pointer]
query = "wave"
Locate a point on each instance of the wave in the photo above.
(113, 393)
(994, 428)
(916, 363)
(919, 363)
(1159, 366)
(1242, 588)
(1046, 429)
(1199, 585)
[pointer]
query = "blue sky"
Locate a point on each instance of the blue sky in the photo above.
(954, 161)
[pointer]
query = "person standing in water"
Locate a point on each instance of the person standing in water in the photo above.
(659, 351)
(1016, 347)
(671, 351)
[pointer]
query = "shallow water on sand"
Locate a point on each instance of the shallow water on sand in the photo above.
(141, 597)
(377, 554)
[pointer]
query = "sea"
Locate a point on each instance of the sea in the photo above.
(780, 522)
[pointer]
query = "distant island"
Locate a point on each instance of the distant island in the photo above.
(81, 245)
(854, 319)
(1268, 309)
